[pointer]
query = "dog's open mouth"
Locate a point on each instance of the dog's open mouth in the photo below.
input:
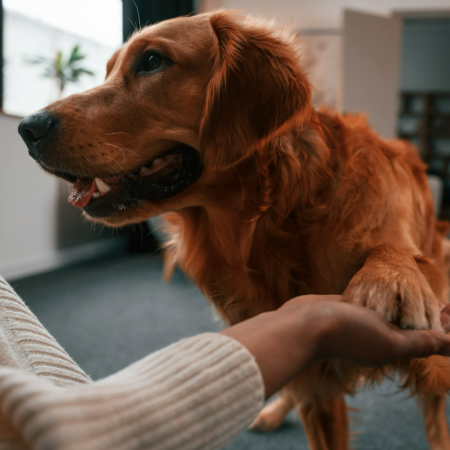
(161, 178)
(163, 169)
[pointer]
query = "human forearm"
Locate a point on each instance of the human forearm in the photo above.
(198, 393)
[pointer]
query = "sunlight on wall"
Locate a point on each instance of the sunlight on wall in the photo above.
(98, 20)
(33, 29)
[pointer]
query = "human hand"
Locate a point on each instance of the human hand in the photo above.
(364, 337)
(311, 328)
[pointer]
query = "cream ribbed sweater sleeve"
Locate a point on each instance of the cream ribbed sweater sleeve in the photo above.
(199, 393)
(26, 344)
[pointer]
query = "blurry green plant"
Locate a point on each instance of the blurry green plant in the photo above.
(63, 70)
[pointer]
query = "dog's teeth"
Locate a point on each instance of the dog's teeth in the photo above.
(146, 168)
(102, 186)
(96, 194)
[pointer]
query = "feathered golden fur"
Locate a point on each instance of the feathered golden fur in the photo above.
(291, 201)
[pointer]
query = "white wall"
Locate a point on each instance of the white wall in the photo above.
(28, 199)
(39, 230)
(34, 233)
(371, 65)
(318, 13)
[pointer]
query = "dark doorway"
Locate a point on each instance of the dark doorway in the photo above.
(138, 13)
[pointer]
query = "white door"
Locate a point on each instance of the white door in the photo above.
(371, 66)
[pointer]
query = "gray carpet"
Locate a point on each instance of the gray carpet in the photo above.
(112, 312)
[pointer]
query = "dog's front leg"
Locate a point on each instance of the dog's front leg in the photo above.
(391, 283)
(436, 427)
(272, 415)
(325, 423)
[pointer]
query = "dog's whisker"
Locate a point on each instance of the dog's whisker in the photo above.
(102, 228)
(133, 24)
(118, 132)
(93, 165)
(121, 148)
(142, 232)
(139, 16)
(115, 160)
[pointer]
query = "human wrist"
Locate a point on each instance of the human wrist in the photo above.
(283, 343)
(315, 323)
(327, 328)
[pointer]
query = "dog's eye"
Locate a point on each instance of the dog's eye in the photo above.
(152, 62)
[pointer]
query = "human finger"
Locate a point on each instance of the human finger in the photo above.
(422, 343)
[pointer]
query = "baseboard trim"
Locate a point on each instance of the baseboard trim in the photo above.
(44, 263)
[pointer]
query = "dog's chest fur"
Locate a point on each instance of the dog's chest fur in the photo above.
(246, 268)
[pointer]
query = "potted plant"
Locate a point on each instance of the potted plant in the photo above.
(63, 70)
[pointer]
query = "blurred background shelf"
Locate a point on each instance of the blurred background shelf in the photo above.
(424, 120)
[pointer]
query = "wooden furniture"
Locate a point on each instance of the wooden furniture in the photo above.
(424, 119)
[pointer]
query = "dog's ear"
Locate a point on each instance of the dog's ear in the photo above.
(257, 89)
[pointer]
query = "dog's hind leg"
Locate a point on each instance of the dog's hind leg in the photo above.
(430, 380)
(435, 421)
(272, 415)
(325, 423)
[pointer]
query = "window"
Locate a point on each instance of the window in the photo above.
(40, 29)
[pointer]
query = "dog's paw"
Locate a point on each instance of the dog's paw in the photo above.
(266, 422)
(402, 297)
(272, 415)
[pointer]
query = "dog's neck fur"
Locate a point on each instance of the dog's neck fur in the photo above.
(258, 245)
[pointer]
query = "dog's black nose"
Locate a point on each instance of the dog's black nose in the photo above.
(35, 128)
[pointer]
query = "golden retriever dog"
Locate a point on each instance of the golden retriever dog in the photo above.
(208, 120)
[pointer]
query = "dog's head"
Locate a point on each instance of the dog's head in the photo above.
(183, 101)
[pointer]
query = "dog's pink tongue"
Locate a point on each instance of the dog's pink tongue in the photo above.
(81, 193)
